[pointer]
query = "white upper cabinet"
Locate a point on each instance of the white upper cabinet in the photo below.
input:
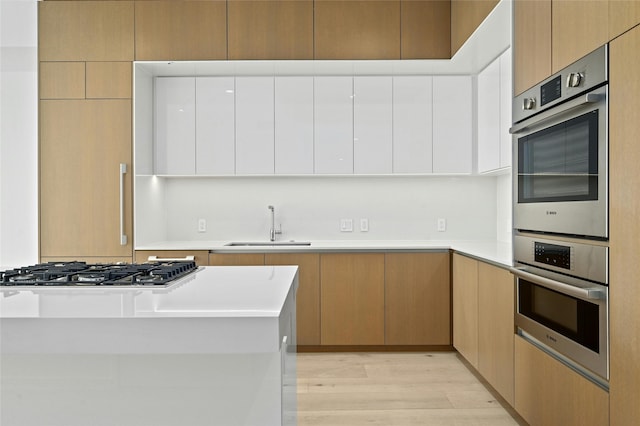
(294, 125)
(333, 129)
(175, 126)
(452, 124)
(412, 124)
(254, 125)
(494, 115)
(372, 125)
(215, 126)
(489, 117)
(506, 97)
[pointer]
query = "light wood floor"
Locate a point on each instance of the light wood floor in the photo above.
(392, 389)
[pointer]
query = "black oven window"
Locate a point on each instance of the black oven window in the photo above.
(574, 318)
(560, 163)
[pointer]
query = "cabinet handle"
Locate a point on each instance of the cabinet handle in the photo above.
(123, 236)
(170, 259)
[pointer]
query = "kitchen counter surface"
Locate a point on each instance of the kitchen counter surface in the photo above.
(496, 252)
(215, 347)
(215, 302)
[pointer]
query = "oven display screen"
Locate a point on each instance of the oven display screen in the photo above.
(551, 91)
(553, 254)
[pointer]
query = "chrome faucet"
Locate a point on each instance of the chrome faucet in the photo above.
(273, 231)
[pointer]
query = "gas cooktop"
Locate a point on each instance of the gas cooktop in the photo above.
(83, 274)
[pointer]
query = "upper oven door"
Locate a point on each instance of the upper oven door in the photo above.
(561, 158)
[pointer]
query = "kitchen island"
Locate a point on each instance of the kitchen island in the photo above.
(216, 347)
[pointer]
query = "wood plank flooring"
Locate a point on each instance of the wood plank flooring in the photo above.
(393, 389)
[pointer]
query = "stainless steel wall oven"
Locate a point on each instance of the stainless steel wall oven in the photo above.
(562, 300)
(561, 152)
(560, 215)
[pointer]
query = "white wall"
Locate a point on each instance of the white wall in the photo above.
(310, 208)
(18, 132)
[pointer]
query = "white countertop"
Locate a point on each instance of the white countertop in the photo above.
(214, 310)
(497, 252)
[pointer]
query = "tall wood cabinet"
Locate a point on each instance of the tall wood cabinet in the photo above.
(623, 15)
(85, 49)
(624, 179)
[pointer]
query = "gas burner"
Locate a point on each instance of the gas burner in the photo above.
(81, 274)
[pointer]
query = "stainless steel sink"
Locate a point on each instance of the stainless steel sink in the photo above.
(268, 243)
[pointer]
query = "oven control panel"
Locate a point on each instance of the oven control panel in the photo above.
(569, 257)
(552, 254)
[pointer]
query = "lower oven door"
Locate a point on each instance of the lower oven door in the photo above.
(570, 319)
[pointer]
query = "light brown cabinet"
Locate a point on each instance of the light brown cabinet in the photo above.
(201, 257)
(425, 29)
(531, 43)
(352, 29)
(308, 296)
(483, 320)
(577, 30)
(465, 307)
(85, 31)
(623, 15)
(82, 144)
(466, 16)
(352, 299)
(236, 259)
(496, 301)
(548, 393)
(181, 30)
(417, 299)
(624, 180)
(270, 29)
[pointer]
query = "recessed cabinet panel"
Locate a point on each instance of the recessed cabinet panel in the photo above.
(180, 30)
(452, 124)
(576, 31)
(254, 125)
(175, 125)
(489, 117)
(425, 31)
(294, 125)
(333, 132)
(215, 126)
(531, 43)
(372, 121)
(86, 31)
(266, 29)
(412, 124)
(351, 29)
(62, 80)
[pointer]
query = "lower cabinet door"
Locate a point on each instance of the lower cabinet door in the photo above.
(352, 299)
(548, 393)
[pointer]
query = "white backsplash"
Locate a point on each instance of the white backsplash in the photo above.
(310, 208)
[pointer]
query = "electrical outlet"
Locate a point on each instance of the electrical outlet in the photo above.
(346, 225)
(364, 225)
(202, 225)
(442, 225)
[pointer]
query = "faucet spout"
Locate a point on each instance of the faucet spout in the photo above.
(273, 231)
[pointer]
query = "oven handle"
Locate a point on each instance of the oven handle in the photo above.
(579, 292)
(589, 98)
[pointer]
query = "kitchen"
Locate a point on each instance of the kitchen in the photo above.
(381, 229)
